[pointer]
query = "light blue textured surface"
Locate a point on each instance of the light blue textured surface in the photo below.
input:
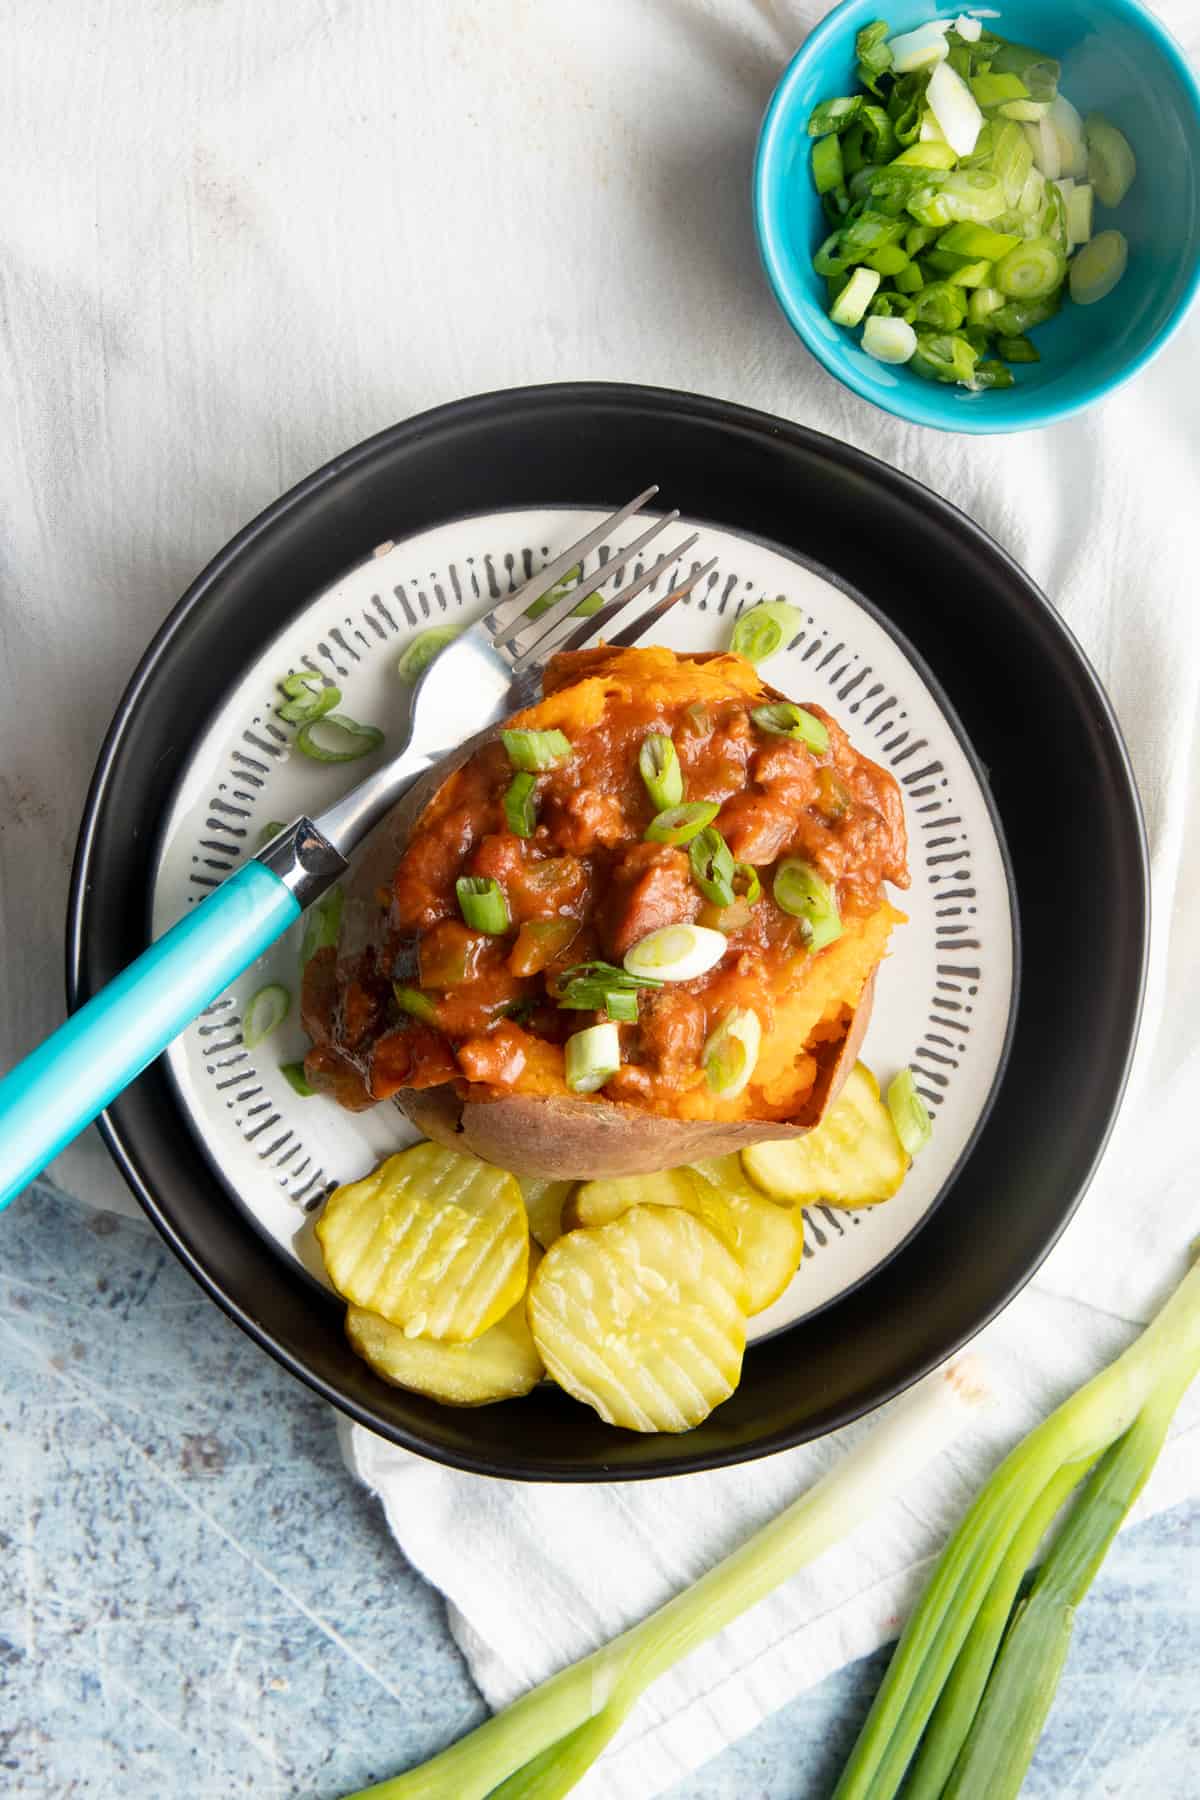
(197, 1600)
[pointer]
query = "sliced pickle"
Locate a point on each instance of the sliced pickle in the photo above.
(768, 1239)
(434, 1241)
(599, 1202)
(503, 1364)
(544, 1205)
(643, 1319)
(853, 1158)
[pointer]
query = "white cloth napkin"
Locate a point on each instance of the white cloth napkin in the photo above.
(239, 239)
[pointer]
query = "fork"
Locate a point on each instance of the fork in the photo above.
(492, 670)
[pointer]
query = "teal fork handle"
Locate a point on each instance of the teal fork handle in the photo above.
(49, 1098)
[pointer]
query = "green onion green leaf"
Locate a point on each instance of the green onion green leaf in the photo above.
(293, 1074)
(910, 1115)
(350, 740)
(658, 766)
(519, 808)
(712, 866)
(783, 718)
(800, 891)
(482, 904)
(680, 824)
(265, 1010)
(417, 655)
(536, 751)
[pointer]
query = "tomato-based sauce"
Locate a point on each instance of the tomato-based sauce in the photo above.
(426, 998)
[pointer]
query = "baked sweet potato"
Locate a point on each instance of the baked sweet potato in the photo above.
(467, 1027)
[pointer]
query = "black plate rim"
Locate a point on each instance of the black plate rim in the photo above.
(726, 414)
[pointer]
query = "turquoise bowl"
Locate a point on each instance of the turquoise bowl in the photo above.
(1116, 59)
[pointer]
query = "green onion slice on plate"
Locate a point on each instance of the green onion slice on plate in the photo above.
(350, 740)
(416, 656)
(266, 1010)
(307, 697)
(910, 1115)
(293, 1074)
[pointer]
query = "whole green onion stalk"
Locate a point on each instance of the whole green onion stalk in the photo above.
(545, 1742)
(974, 1674)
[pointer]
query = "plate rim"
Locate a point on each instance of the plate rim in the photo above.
(958, 732)
(531, 403)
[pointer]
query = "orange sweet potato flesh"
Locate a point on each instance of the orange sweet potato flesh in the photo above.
(553, 1133)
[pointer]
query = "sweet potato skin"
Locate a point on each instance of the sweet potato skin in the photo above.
(585, 1139)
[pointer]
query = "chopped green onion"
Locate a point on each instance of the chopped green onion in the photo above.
(1039, 72)
(834, 115)
(945, 356)
(731, 1052)
(954, 107)
(918, 49)
(415, 1003)
(971, 275)
(889, 340)
(1079, 213)
(800, 891)
(536, 751)
(350, 739)
(1111, 164)
(322, 924)
(991, 375)
(1025, 112)
(587, 987)
(658, 765)
(265, 1010)
(676, 953)
(977, 241)
(417, 655)
(992, 90)
(1018, 350)
(482, 904)
(308, 697)
(1098, 267)
(590, 1057)
(519, 808)
(621, 1004)
(763, 630)
(712, 866)
(573, 578)
(680, 824)
(827, 166)
(1033, 270)
(751, 885)
(982, 303)
(1019, 316)
(910, 1115)
(973, 194)
(293, 1074)
(270, 830)
(908, 280)
(940, 304)
(932, 154)
(783, 718)
(852, 302)
(889, 259)
(873, 53)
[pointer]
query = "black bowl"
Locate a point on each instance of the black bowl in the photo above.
(1060, 779)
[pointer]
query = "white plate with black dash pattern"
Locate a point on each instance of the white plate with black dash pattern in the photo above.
(944, 994)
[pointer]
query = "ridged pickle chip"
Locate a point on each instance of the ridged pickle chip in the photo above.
(503, 1364)
(544, 1206)
(853, 1158)
(434, 1241)
(643, 1319)
(768, 1239)
(600, 1202)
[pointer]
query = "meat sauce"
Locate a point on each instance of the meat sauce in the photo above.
(481, 1010)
